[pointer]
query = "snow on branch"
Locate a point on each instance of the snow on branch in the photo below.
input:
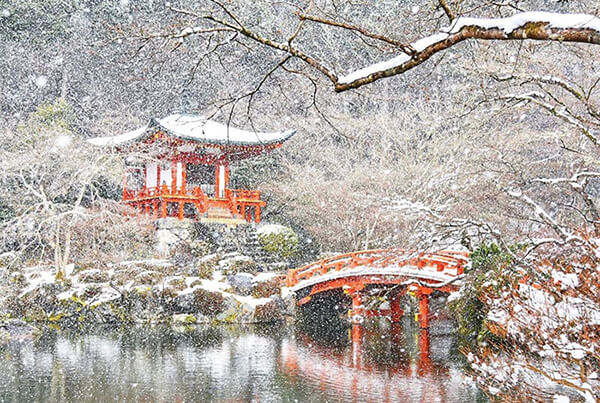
(559, 111)
(583, 28)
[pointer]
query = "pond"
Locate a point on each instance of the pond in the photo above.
(237, 364)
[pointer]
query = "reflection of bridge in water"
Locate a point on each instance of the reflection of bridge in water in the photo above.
(373, 368)
(391, 273)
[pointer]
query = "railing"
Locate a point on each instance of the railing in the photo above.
(239, 201)
(252, 196)
(163, 190)
(380, 258)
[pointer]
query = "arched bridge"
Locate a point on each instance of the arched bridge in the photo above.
(391, 271)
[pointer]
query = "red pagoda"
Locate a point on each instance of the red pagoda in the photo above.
(178, 166)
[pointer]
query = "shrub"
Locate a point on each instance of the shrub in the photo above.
(278, 240)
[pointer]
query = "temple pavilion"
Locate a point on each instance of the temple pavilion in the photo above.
(179, 166)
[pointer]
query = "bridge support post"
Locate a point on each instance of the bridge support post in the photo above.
(356, 313)
(423, 294)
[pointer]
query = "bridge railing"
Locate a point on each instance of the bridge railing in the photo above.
(380, 258)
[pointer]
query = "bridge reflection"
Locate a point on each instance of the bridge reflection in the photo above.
(375, 364)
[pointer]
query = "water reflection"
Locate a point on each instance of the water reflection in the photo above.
(231, 364)
(383, 362)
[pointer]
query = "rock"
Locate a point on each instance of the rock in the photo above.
(176, 283)
(159, 265)
(206, 302)
(249, 310)
(170, 232)
(278, 266)
(237, 264)
(242, 283)
(149, 277)
(184, 319)
(206, 266)
(17, 330)
(233, 311)
(266, 284)
(93, 276)
(267, 313)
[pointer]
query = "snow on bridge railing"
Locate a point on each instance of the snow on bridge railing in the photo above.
(381, 258)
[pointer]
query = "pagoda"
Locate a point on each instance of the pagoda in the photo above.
(179, 166)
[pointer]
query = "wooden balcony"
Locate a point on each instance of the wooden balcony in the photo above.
(181, 202)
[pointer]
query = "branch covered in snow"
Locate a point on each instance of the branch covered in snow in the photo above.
(583, 28)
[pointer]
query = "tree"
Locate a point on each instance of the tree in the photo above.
(216, 18)
(55, 186)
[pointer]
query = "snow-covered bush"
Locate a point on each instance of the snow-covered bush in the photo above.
(278, 240)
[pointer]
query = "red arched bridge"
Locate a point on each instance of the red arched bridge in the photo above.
(391, 271)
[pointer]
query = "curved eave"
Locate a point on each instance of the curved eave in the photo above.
(154, 126)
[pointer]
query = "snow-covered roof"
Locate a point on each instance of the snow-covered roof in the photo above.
(198, 129)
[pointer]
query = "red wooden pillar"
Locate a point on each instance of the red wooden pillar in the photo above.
(424, 308)
(257, 214)
(155, 205)
(357, 308)
(163, 208)
(180, 212)
(173, 176)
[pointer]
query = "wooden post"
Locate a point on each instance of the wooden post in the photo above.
(163, 208)
(423, 311)
(180, 213)
(257, 214)
(173, 176)
(356, 307)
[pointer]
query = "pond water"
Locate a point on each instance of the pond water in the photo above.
(237, 364)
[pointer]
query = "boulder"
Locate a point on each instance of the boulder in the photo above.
(242, 283)
(237, 263)
(93, 276)
(17, 330)
(266, 284)
(268, 312)
(198, 299)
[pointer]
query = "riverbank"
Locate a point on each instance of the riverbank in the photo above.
(216, 288)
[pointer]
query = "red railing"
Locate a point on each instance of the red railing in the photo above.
(380, 258)
(238, 201)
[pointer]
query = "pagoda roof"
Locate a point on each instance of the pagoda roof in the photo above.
(197, 129)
